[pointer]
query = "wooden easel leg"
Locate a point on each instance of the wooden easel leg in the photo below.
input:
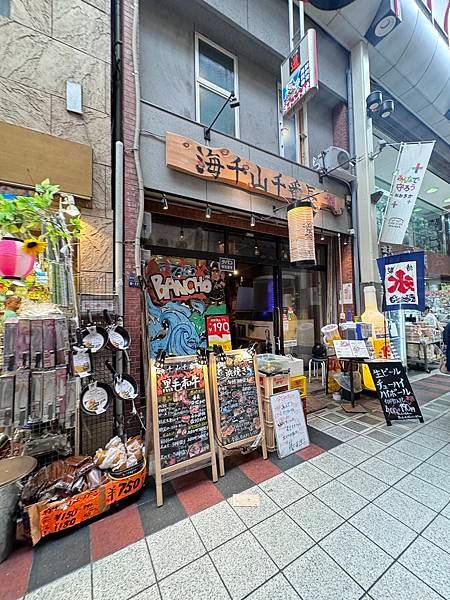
(159, 490)
(215, 476)
(264, 446)
(221, 462)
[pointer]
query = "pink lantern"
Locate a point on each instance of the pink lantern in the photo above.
(14, 262)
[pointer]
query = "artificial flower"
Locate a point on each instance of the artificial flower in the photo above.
(34, 247)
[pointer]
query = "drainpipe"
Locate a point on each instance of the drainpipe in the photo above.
(354, 213)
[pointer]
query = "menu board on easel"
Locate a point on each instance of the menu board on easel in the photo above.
(183, 435)
(237, 403)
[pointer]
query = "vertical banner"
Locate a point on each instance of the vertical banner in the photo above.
(403, 280)
(412, 162)
(300, 217)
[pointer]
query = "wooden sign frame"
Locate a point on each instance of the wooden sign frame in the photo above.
(196, 461)
(215, 392)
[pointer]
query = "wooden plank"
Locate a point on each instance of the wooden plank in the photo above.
(222, 165)
(28, 157)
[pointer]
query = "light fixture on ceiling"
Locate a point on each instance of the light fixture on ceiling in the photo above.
(257, 252)
(208, 211)
(387, 108)
(322, 237)
(377, 107)
(432, 190)
(252, 221)
(181, 234)
(385, 21)
(284, 255)
(345, 241)
(164, 202)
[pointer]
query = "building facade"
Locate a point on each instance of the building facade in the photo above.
(55, 115)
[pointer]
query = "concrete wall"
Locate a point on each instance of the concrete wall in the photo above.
(44, 44)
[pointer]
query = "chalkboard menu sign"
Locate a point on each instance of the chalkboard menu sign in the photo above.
(394, 391)
(238, 408)
(182, 417)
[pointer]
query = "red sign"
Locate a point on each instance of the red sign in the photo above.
(218, 331)
(116, 490)
(70, 512)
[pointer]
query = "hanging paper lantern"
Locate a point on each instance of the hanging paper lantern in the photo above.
(14, 262)
(301, 232)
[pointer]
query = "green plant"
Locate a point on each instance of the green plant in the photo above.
(25, 216)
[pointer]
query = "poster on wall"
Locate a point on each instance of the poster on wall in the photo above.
(412, 162)
(403, 280)
(218, 331)
(180, 294)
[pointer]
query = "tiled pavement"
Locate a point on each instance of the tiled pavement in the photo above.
(365, 508)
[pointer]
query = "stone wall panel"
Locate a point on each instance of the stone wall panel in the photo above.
(36, 15)
(20, 105)
(96, 245)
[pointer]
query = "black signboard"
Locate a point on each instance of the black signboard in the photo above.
(182, 412)
(394, 391)
(237, 397)
(227, 264)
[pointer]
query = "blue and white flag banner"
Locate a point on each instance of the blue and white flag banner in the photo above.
(403, 280)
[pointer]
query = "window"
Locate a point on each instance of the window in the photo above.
(5, 8)
(287, 133)
(216, 78)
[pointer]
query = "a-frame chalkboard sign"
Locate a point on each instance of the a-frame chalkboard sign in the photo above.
(238, 411)
(183, 437)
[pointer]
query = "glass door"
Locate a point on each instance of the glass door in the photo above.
(302, 310)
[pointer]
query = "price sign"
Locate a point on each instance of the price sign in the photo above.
(70, 512)
(218, 331)
(116, 490)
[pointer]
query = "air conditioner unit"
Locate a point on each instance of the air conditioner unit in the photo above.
(337, 160)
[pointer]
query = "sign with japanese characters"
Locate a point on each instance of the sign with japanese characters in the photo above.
(227, 264)
(182, 412)
(412, 162)
(403, 280)
(300, 74)
(289, 422)
(394, 391)
(218, 331)
(224, 166)
(301, 233)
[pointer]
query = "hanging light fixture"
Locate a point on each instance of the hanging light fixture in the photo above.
(208, 211)
(300, 216)
(322, 237)
(257, 251)
(252, 221)
(181, 234)
(164, 202)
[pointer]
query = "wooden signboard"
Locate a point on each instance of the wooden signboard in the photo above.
(183, 435)
(224, 166)
(394, 391)
(237, 403)
(289, 422)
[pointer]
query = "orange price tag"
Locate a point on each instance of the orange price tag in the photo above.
(70, 512)
(116, 490)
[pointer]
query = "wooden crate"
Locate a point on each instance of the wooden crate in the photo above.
(299, 382)
(272, 384)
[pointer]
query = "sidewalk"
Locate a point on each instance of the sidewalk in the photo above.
(367, 513)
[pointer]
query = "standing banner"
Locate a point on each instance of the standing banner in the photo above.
(403, 280)
(412, 162)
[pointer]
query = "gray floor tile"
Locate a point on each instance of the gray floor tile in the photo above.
(416, 450)
(446, 450)
(358, 556)
(315, 517)
(403, 461)
(412, 513)
(423, 492)
(429, 563)
(332, 465)
(308, 476)
(283, 490)
(384, 530)
(340, 498)
(426, 441)
(181, 536)
(217, 525)
(367, 445)
(380, 436)
(335, 417)
(369, 419)
(319, 424)
(282, 539)
(108, 579)
(75, 585)
(316, 576)
(197, 581)
(439, 434)
(363, 484)
(251, 515)
(356, 426)
(399, 584)
(277, 588)
(350, 454)
(446, 511)
(243, 565)
(440, 460)
(396, 429)
(151, 593)
(433, 475)
(382, 470)
(341, 434)
(438, 532)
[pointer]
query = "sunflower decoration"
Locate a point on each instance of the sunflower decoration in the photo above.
(33, 246)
